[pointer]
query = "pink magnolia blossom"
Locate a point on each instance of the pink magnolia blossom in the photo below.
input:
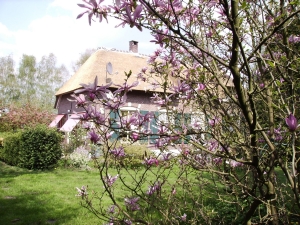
(80, 99)
(183, 217)
(156, 188)
(294, 39)
(215, 121)
(166, 156)
(151, 161)
(200, 87)
(82, 192)
(173, 191)
(94, 137)
(125, 87)
(131, 203)
(93, 87)
(135, 136)
(118, 152)
(291, 122)
(109, 180)
(160, 37)
(234, 163)
(132, 19)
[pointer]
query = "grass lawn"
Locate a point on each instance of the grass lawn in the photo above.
(48, 197)
(44, 197)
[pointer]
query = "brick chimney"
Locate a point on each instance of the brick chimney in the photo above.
(133, 46)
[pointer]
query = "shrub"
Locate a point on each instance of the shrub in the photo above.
(76, 139)
(80, 157)
(10, 151)
(134, 156)
(27, 115)
(40, 147)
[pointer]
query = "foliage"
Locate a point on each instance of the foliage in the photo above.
(133, 156)
(10, 152)
(76, 139)
(34, 82)
(28, 115)
(8, 81)
(80, 157)
(40, 148)
(234, 66)
(42, 197)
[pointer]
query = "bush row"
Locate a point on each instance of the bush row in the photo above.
(134, 156)
(32, 148)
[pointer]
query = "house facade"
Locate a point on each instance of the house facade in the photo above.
(110, 66)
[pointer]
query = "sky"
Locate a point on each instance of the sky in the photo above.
(40, 27)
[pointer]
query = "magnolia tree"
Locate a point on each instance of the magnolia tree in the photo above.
(232, 67)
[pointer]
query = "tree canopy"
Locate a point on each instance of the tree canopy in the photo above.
(236, 64)
(34, 82)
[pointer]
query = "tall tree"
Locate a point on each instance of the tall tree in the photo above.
(249, 146)
(34, 83)
(49, 78)
(82, 58)
(10, 89)
(27, 78)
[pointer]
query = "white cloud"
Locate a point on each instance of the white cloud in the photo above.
(4, 31)
(7, 46)
(70, 5)
(66, 37)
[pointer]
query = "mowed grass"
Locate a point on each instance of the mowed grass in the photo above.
(44, 197)
(48, 197)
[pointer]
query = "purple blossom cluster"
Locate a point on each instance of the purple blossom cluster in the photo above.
(135, 136)
(110, 180)
(291, 122)
(165, 141)
(128, 222)
(131, 203)
(234, 163)
(93, 89)
(183, 217)
(161, 101)
(212, 145)
(151, 161)
(111, 209)
(215, 121)
(294, 39)
(195, 81)
(94, 137)
(82, 192)
(156, 188)
(80, 100)
(166, 156)
(118, 152)
(218, 160)
(135, 120)
(97, 116)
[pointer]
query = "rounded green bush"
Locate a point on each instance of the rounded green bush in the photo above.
(40, 147)
(10, 151)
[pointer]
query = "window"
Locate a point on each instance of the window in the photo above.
(165, 117)
(126, 113)
(198, 120)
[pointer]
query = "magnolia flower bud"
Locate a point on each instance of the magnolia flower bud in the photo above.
(291, 122)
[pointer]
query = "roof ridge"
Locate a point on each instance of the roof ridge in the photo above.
(122, 51)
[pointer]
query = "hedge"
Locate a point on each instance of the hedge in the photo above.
(33, 148)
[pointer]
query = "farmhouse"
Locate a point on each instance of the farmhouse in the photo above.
(110, 66)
